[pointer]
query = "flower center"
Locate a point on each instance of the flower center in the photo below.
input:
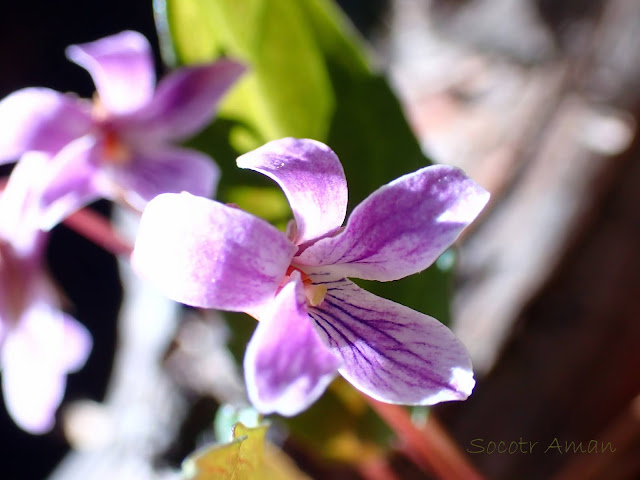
(115, 152)
(314, 293)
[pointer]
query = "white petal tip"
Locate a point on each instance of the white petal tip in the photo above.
(468, 206)
(462, 380)
(460, 386)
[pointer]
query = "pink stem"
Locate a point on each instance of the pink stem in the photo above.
(376, 469)
(98, 229)
(432, 445)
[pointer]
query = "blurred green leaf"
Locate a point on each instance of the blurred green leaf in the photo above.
(368, 130)
(287, 91)
(265, 202)
(340, 426)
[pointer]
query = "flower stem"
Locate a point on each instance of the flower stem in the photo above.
(98, 229)
(376, 469)
(431, 446)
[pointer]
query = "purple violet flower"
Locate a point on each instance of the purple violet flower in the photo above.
(117, 146)
(313, 321)
(39, 343)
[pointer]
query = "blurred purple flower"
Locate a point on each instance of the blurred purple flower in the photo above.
(117, 146)
(39, 344)
(313, 321)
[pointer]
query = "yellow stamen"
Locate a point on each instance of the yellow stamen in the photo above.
(315, 294)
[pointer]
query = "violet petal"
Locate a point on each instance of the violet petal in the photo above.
(71, 181)
(206, 254)
(77, 344)
(390, 352)
(163, 169)
(36, 356)
(311, 177)
(287, 367)
(122, 68)
(184, 102)
(20, 206)
(40, 119)
(402, 227)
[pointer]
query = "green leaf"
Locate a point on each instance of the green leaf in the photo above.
(287, 91)
(265, 202)
(368, 130)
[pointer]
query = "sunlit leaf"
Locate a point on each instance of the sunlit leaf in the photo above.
(265, 202)
(248, 456)
(278, 466)
(287, 91)
(240, 459)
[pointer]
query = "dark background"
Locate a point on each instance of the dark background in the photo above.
(33, 37)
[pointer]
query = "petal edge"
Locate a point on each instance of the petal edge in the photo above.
(402, 227)
(121, 66)
(312, 178)
(40, 119)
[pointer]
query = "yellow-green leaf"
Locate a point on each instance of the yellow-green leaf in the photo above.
(278, 466)
(241, 459)
(247, 457)
(287, 90)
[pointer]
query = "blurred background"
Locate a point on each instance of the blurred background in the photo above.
(536, 100)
